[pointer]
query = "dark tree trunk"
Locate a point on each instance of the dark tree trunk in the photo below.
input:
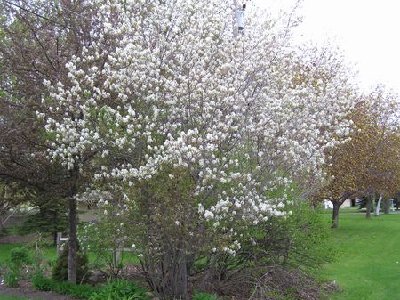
(386, 206)
(335, 213)
(181, 279)
(168, 275)
(2, 227)
(55, 238)
(72, 244)
(368, 207)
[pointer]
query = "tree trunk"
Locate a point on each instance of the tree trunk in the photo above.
(335, 213)
(386, 206)
(181, 279)
(378, 206)
(55, 235)
(72, 243)
(368, 207)
(168, 277)
(2, 226)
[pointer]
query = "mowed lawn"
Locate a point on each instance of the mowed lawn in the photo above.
(368, 263)
(50, 254)
(368, 266)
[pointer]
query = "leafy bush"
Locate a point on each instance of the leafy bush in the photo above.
(100, 238)
(204, 296)
(41, 283)
(310, 238)
(120, 290)
(114, 290)
(60, 269)
(50, 216)
(11, 279)
(81, 291)
(300, 240)
(20, 256)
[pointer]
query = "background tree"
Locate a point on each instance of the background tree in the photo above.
(368, 162)
(50, 215)
(11, 196)
(346, 164)
(382, 166)
(38, 38)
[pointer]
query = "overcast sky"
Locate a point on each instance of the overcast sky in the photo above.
(368, 31)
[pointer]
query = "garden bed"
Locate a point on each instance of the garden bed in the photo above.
(25, 290)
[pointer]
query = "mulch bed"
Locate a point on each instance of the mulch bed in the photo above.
(17, 239)
(26, 290)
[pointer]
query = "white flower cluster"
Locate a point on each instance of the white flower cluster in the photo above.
(94, 197)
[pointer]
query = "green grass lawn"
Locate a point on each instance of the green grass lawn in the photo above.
(5, 249)
(368, 266)
(50, 254)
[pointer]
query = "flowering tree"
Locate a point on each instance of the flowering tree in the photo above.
(192, 126)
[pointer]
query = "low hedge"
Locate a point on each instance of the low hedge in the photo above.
(80, 291)
(114, 290)
(120, 290)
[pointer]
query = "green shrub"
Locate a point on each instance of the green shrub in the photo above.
(310, 240)
(299, 240)
(41, 283)
(51, 217)
(11, 279)
(20, 256)
(120, 290)
(99, 237)
(60, 269)
(204, 296)
(80, 291)
(115, 290)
